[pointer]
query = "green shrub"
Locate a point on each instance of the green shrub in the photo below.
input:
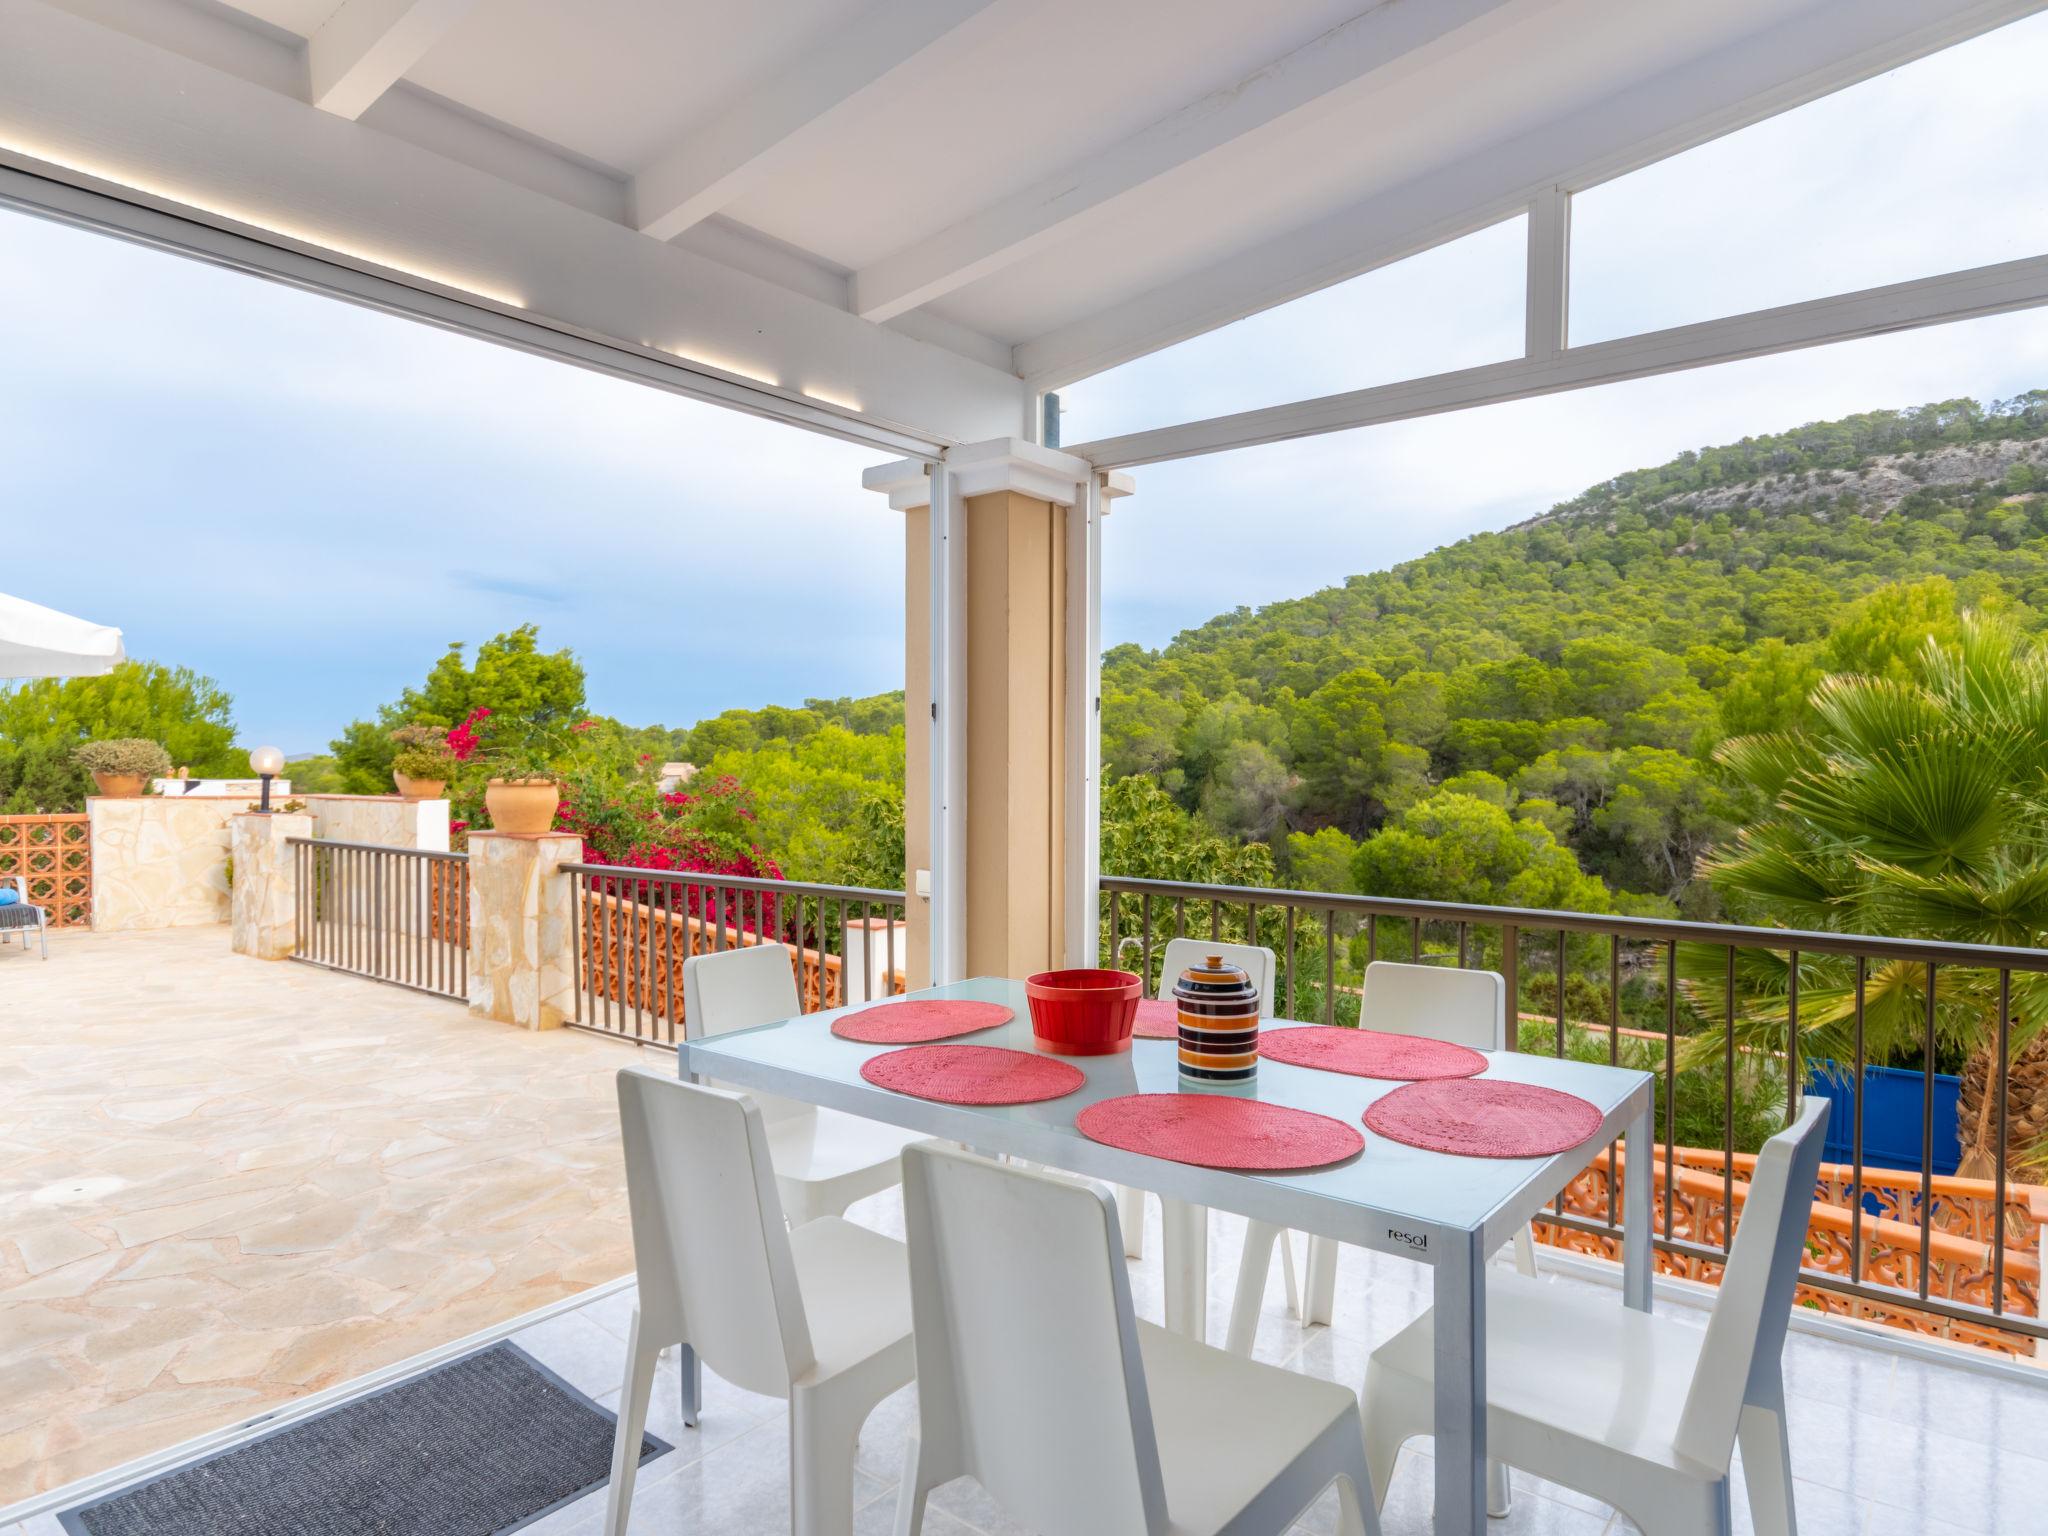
(136, 755)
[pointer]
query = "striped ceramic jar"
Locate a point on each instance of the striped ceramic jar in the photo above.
(1219, 1023)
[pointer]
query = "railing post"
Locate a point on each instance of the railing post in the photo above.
(264, 898)
(522, 927)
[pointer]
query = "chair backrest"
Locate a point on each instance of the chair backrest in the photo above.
(1256, 959)
(1468, 1008)
(1028, 1372)
(739, 989)
(1753, 1305)
(709, 1242)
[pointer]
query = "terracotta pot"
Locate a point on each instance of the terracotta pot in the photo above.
(522, 807)
(418, 789)
(119, 786)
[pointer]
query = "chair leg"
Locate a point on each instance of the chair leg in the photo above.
(1767, 1468)
(690, 1367)
(824, 1434)
(1130, 1215)
(1253, 1270)
(1185, 1232)
(1381, 1408)
(1319, 1300)
(1525, 1251)
(641, 1358)
(914, 1490)
(1356, 1515)
(1287, 1275)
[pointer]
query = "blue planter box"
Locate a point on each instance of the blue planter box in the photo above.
(1891, 1116)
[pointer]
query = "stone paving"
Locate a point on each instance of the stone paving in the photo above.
(226, 1183)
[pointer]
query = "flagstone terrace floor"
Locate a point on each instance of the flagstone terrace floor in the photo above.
(226, 1183)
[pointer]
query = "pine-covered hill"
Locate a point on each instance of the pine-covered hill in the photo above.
(1528, 716)
(1574, 672)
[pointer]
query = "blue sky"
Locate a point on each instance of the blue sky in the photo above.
(308, 501)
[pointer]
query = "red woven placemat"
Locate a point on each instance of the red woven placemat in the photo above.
(973, 1074)
(1484, 1119)
(1215, 1131)
(919, 1020)
(1369, 1053)
(1157, 1020)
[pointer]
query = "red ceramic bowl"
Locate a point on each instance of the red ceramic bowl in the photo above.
(1083, 1013)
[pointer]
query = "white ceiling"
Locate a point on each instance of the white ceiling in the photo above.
(1048, 186)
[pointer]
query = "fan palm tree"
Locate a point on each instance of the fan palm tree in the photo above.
(1910, 809)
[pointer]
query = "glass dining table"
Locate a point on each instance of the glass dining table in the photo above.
(1443, 1211)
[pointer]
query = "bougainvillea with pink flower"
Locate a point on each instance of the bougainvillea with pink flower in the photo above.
(708, 828)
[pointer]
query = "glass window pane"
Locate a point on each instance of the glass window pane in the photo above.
(1932, 168)
(1454, 306)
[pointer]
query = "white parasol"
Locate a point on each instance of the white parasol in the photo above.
(40, 642)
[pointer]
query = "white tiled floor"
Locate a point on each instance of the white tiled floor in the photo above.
(1882, 1445)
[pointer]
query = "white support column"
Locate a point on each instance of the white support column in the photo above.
(1084, 713)
(948, 634)
(1548, 294)
(1084, 720)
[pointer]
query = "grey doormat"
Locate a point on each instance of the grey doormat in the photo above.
(483, 1445)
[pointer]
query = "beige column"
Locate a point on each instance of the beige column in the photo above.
(1016, 503)
(1016, 736)
(265, 895)
(521, 909)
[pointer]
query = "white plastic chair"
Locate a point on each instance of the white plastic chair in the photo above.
(20, 916)
(824, 1159)
(1034, 1378)
(1186, 1227)
(1637, 1410)
(818, 1314)
(1467, 1008)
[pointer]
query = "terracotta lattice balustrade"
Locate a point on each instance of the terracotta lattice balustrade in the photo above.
(54, 855)
(633, 953)
(1964, 1224)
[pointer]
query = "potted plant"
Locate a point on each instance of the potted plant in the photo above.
(524, 756)
(424, 763)
(122, 767)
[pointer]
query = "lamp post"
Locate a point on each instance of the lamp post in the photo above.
(268, 763)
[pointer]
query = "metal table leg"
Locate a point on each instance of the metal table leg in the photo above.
(1637, 1213)
(1460, 1451)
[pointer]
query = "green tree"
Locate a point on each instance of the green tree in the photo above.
(1321, 860)
(511, 676)
(42, 721)
(1454, 847)
(828, 806)
(1915, 807)
(1339, 739)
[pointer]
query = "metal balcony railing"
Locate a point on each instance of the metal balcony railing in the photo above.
(1724, 1016)
(392, 914)
(636, 927)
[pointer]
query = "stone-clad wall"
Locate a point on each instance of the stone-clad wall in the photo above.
(159, 862)
(389, 821)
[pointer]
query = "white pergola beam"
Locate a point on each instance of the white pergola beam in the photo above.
(89, 106)
(1966, 295)
(1547, 291)
(1060, 206)
(747, 137)
(366, 47)
(1796, 61)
